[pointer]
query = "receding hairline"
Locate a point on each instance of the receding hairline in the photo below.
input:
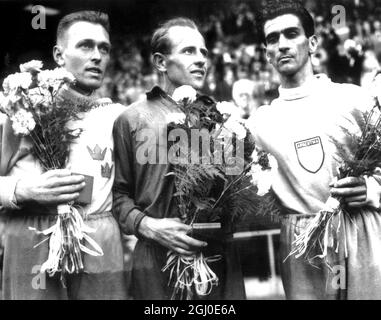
(172, 30)
(91, 16)
(160, 42)
(63, 36)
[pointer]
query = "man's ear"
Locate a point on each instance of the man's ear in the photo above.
(159, 61)
(313, 44)
(58, 55)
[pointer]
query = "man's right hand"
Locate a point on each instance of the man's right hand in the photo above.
(52, 187)
(170, 233)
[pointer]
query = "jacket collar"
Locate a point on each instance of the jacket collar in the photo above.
(157, 93)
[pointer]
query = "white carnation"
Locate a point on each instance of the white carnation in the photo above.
(185, 94)
(263, 178)
(272, 162)
(39, 95)
(22, 122)
(17, 80)
(9, 103)
(54, 78)
(235, 126)
(31, 66)
(63, 74)
(255, 155)
(264, 182)
(225, 107)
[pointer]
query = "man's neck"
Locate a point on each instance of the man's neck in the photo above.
(166, 86)
(81, 90)
(297, 79)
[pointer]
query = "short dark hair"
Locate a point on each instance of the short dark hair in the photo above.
(275, 8)
(95, 17)
(160, 42)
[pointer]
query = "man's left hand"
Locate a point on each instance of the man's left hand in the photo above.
(351, 189)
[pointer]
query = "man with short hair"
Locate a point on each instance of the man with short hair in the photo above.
(30, 196)
(297, 128)
(143, 191)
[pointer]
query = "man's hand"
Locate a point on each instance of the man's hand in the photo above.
(51, 187)
(170, 233)
(351, 189)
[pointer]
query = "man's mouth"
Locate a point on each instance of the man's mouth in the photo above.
(94, 70)
(199, 72)
(285, 58)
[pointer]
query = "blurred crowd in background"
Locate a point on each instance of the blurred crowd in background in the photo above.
(238, 69)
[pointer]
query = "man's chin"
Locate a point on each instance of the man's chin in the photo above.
(287, 70)
(197, 85)
(92, 84)
(88, 87)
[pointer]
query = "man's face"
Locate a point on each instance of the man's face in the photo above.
(243, 100)
(86, 53)
(246, 103)
(187, 62)
(287, 46)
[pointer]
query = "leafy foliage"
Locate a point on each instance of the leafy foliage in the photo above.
(204, 190)
(359, 155)
(51, 136)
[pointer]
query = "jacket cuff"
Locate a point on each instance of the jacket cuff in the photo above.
(133, 220)
(373, 192)
(7, 192)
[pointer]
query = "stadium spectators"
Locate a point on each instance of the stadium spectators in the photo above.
(351, 53)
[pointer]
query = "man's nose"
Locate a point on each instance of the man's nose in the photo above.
(201, 59)
(96, 55)
(284, 43)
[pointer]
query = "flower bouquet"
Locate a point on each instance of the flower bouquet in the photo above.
(213, 187)
(39, 105)
(360, 156)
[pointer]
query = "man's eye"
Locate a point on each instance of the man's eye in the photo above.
(272, 39)
(104, 50)
(86, 46)
(205, 53)
(291, 34)
(188, 51)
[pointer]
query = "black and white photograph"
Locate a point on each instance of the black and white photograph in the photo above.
(203, 151)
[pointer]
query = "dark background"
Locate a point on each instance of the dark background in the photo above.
(20, 42)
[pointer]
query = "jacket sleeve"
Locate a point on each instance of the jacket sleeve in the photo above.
(125, 210)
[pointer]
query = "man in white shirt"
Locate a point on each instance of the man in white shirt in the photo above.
(30, 196)
(297, 128)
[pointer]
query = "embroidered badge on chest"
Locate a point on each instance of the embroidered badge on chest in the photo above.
(106, 170)
(97, 153)
(310, 154)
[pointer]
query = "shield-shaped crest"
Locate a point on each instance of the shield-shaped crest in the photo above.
(310, 154)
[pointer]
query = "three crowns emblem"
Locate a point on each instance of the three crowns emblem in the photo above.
(106, 170)
(97, 153)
